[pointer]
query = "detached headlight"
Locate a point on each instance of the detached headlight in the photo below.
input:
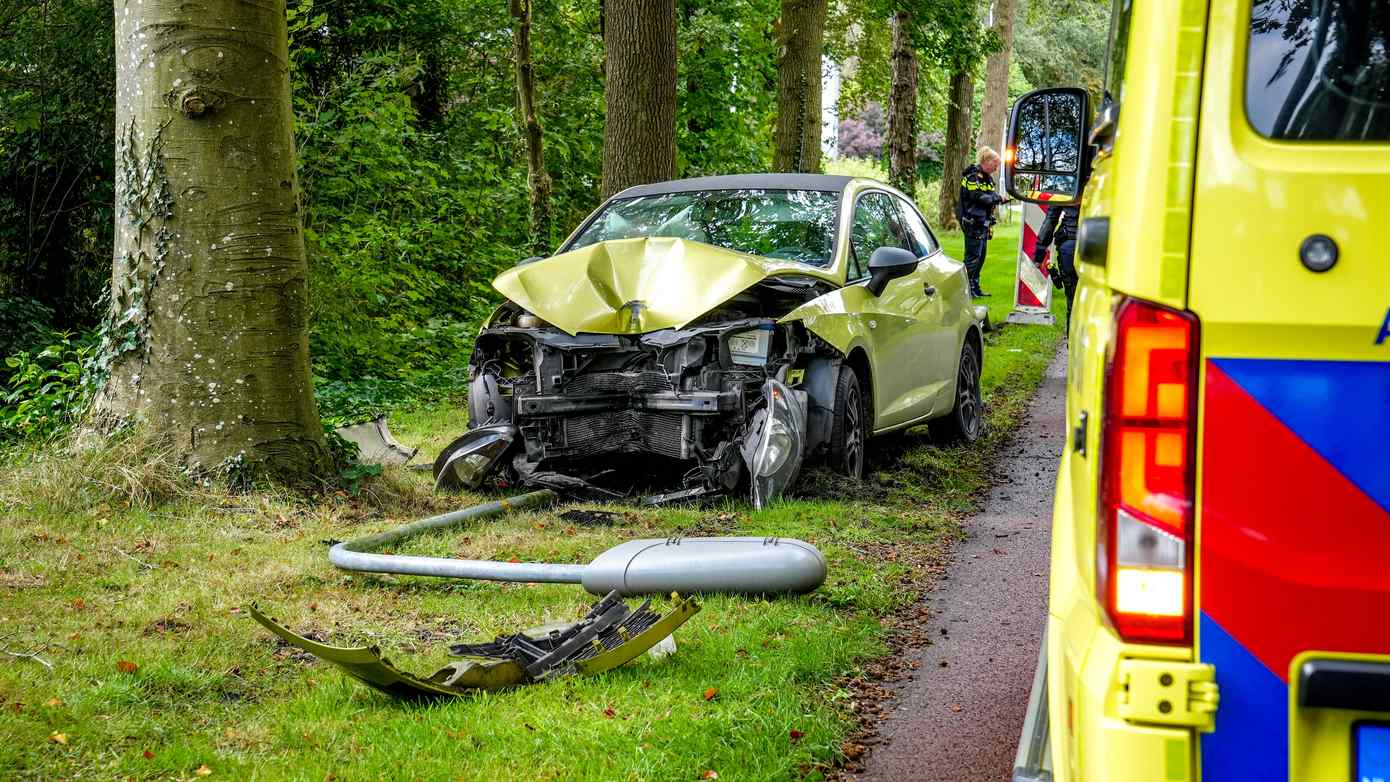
(467, 461)
(776, 442)
(776, 448)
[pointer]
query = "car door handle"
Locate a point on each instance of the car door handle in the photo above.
(929, 289)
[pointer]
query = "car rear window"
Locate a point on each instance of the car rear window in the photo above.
(1319, 70)
(793, 225)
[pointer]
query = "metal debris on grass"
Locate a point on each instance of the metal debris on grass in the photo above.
(610, 635)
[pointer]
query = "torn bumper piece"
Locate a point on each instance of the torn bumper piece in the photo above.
(375, 444)
(610, 635)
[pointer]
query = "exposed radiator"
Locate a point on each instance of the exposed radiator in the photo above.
(644, 382)
(667, 434)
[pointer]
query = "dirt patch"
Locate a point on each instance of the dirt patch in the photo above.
(592, 518)
(166, 626)
(21, 581)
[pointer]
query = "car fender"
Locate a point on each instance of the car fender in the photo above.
(837, 317)
(822, 373)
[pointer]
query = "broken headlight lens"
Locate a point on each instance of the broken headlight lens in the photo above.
(776, 441)
(777, 445)
(467, 461)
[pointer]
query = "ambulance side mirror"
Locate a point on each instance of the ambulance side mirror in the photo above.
(1046, 154)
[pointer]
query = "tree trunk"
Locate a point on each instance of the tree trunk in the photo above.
(902, 108)
(206, 341)
(956, 156)
(800, 40)
(536, 175)
(994, 109)
(639, 93)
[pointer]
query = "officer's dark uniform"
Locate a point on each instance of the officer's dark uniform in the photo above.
(1060, 226)
(977, 202)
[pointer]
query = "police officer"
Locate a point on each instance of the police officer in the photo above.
(978, 199)
(1060, 227)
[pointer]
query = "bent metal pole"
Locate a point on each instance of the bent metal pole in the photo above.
(739, 565)
(356, 554)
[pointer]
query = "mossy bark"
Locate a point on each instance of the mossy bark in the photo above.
(537, 178)
(800, 41)
(902, 108)
(207, 339)
(956, 155)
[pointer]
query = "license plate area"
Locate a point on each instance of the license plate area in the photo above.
(1339, 714)
(1370, 751)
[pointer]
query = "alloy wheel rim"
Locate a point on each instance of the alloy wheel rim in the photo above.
(854, 434)
(968, 390)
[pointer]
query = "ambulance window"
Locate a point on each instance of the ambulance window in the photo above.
(1117, 47)
(1319, 70)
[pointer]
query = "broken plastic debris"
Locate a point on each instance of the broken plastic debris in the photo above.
(610, 635)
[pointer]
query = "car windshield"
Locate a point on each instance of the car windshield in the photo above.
(795, 225)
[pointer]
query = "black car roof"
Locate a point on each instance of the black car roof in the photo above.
(824, 182)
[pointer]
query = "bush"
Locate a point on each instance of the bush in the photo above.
(25, 324)
(45, 391)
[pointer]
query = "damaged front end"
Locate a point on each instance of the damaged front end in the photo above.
(710, 406)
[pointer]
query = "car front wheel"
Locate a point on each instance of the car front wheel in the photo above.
(849, 429)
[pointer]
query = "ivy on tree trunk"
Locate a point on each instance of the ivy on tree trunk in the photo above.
(800, 40)
(206, 340)
(536, 176)
(639, 93)
(902, 108)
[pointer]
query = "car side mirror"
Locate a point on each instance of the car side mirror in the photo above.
(889, 263)
(1045, 159)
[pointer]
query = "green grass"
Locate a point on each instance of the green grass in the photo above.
(213, 689)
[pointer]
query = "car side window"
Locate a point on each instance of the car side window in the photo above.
(925, 243)
(876, 224)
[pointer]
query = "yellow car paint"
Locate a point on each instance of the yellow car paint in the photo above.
(631, 286)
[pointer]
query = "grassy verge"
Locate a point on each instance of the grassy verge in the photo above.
(131, 585)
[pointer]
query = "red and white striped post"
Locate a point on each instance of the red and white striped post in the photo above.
(1032, 285)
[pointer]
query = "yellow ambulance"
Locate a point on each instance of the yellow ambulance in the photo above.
(1219, 605)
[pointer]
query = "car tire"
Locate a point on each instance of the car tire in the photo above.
(849, 426)
(966, 421)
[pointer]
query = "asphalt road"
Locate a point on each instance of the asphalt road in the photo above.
(959, 718)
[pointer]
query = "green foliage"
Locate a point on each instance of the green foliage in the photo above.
(728, 59)
(24, 324)
(350, 401)
(45, 391)
(1062, 43)
(57, 155)
(947, 35)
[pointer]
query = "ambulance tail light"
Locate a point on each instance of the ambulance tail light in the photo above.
(1144, 544)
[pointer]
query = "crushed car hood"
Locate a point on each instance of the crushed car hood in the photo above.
(631, 286)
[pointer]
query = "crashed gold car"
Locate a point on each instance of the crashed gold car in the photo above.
(712, 335)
